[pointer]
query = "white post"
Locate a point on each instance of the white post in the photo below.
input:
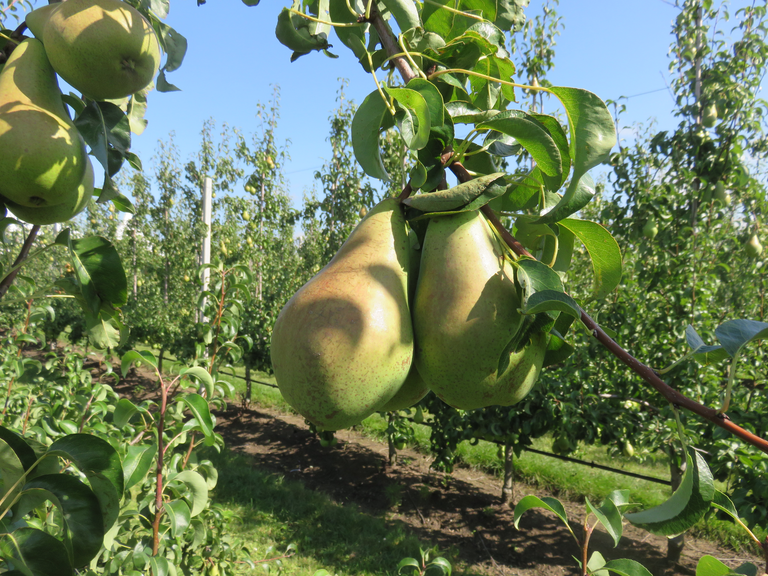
(207, 209)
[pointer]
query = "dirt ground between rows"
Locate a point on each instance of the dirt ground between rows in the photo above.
(459, 512)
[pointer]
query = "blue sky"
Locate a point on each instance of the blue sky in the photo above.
(613, 48)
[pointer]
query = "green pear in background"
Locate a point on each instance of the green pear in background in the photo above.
(342, 346)
(44, 215)
(43, 159)
(104, 48)
(465, 312)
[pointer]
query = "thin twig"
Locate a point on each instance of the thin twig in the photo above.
(8, 280)
(645, 372)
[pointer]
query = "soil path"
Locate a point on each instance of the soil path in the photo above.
(460, 511)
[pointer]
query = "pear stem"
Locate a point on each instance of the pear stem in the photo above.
(6, 282)
(642, 370)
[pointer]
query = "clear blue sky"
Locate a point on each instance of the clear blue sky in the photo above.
(610, 47)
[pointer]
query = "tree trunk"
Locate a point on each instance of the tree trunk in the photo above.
(508, 487)
(391, 443)
(676, 469)
(160, 360)
(247, 398)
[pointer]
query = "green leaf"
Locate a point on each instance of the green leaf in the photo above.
(178, 515)
(552, 504)
(735, 334)
(408, 563)
(558, 350)
(199, 408)
(23, 451)
(584, 193)
(604, 252)
(532, 135)
(198, 490)
(98, 460)
(124, 411)
(203, 376)
(137, 463)
(415, 124)
(701, 352)
(293, 32)
(405, 13)
(99, 264)
(626, 567)
(535, 277)
(366, 124)
(104, 329)
(552, 300)
(11, 471)
(80, 511)
(685, 507)
(592, 132)
(135, 356)
(609, 516)
(458, 196)
(595, 563)
(36, 553)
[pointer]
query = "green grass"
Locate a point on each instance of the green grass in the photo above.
(274, 513)
(567, 480)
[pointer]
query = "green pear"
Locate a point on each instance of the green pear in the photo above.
(342, 346)
(753, 247)
(413, 389)
(709, 117)
(466, 312)
(44, 215)
(104, 48)
(43, 158)
(650, 229)
(720, 194)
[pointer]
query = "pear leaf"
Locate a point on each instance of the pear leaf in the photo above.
(36, 552)
(735, 334)
(627, 567)
(135, 356)
(179, 516)
(197, 490)
(458, 196)
(414, 122)
(685, 507)
(365, 135)
(552, 300)
(80, 511)
(609, 516)
(532, 135)
(137, 463)
(552, 504)
(603, 250)
(703, 353)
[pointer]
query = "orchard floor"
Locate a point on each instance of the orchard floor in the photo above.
(458, 512)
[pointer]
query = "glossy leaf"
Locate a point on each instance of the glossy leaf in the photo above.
(36, 553)
(203, 376)
(135, 356)
(366, 124)
(583, 195)
(198, 490)
(199, 408)
(552, 300)
(604, 252)
(137, 463)
(405, 13)
(551, 504)
(735, 334)
(458, 196)
(414, 103)
(609, 516)
(685, 507)
(11, 472)
(532, 135)
(627, 567)
(178, 515)
(701, 352)
(98, 460)
(124, 411)
(80, 510)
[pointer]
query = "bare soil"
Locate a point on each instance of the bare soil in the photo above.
(460, 511)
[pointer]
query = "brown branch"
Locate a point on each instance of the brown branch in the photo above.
(389, 42)
(642, 370)
(8, 280)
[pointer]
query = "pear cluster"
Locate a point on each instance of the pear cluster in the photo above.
(382, 323)
(104, 48)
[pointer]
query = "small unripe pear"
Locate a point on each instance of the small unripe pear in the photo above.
(721, 195)
(650, 229)
(709, 118)
(753, 247)
(627, 449)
